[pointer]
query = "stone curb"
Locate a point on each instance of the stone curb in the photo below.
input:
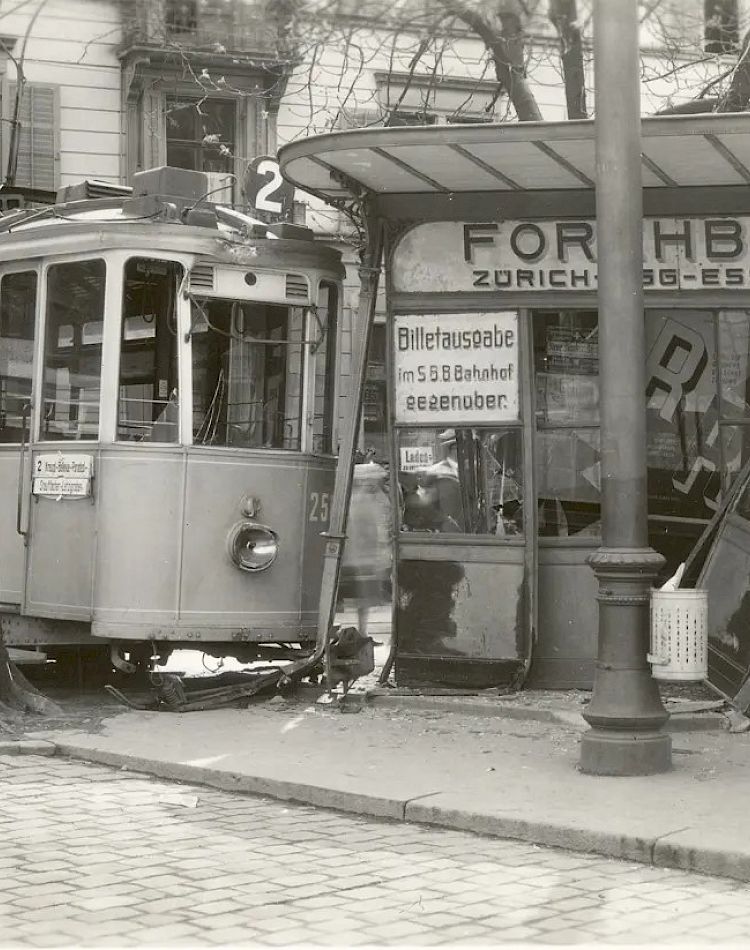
(656, 851)
(27, 747)
(678, 721)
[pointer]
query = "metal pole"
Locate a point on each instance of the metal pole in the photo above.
(369, 273)
(626, 713)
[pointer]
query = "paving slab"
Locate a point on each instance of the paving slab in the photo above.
(513, 778)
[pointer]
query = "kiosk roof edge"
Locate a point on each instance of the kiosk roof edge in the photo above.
(680, 151)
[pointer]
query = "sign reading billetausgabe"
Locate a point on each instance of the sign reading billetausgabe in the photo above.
(456, 367)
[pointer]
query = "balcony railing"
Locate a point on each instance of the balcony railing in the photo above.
(211, 25)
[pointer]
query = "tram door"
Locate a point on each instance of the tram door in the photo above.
(60, 466)
(18, 295)
(465, 551)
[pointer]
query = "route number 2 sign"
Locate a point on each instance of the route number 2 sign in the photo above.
(266, 190)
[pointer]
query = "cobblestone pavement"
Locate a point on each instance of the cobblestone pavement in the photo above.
(93, 856)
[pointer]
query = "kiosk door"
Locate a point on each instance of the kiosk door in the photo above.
(465, 551)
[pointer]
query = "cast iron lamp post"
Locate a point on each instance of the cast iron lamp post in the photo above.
(626, 713)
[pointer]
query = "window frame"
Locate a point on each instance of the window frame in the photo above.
(26, 267)
(41, 354)
(196, 144)
(7, 101)
(145, 116)
(117, 335)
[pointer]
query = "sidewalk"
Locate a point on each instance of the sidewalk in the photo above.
(464, 762)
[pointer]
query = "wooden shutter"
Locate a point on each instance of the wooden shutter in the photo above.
(38, 149)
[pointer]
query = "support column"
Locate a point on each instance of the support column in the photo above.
(626, 713)
(369, 273)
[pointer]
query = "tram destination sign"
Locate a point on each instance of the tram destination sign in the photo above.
(456, 368)
(546, 256)
(62, 475)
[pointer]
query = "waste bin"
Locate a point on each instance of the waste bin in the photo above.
(679, 635)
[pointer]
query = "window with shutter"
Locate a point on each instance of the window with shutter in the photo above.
(37, 165)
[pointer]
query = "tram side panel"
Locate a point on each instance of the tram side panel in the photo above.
(316, 514)
(217, 598)
(12, 551)
(147, 555)
(61, 550)
(140, 514)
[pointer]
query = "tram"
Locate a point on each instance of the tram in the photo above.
(167, 413)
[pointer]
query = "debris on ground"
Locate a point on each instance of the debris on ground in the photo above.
(183, 799)
(738, 722)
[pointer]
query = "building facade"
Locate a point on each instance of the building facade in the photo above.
(110, 87)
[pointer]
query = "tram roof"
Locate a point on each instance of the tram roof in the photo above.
(109, 211)
(401, 167)
(163, 195)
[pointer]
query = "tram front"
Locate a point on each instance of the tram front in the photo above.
(167, 423)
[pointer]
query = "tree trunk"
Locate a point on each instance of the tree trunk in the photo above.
(507, 48)
(738, 94)
(564, 16)
(17, 695)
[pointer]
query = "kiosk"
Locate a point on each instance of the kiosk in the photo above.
(491, 276)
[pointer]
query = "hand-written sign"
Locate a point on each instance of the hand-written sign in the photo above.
(456, 367)
(63, 475)
(678, 253)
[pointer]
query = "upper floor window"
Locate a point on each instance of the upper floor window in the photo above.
(406, 99)
(721, 25)
(202, 135)
(30, 159)
(181, 16)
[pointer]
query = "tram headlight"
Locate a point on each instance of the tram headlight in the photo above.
(252, 547)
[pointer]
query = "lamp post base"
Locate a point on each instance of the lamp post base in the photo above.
(628, 753)
(626, 713)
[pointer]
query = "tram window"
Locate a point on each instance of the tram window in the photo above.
(462, 481)
(148, 406)
(325, 360)
(247, 374)
(73, 350)
(17, 311)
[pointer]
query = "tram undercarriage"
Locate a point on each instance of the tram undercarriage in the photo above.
(61, 640)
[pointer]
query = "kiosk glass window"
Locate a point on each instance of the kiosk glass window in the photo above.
(247, 374)
(734, 359)
(682, 415)
(374, 405)
(73, 350)
(17, 315)
(734, 390)
(566, 377)
(148, 405)
(566, 362)
(462, 481)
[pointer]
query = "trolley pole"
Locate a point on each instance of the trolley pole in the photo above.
(626, 712)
